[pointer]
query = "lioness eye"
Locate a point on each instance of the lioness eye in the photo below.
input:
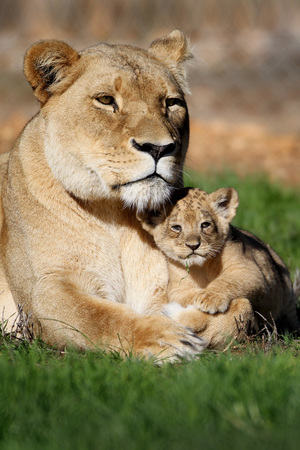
(105, 99)
(205, 225)
(173, 102)
(176, 228)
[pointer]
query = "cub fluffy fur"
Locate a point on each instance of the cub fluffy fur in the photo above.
(110, 139)
(212, 263)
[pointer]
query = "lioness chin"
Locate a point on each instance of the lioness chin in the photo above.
(110, 139)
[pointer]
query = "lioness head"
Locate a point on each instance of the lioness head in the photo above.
(194, 228)
(114, 116)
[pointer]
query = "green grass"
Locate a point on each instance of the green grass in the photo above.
(91, 401)
(245, 398)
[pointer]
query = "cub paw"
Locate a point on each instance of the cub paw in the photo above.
(212, 304)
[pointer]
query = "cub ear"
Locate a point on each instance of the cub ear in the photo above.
(48, 68)
(174, 51)
(150, 219)
(225, 201)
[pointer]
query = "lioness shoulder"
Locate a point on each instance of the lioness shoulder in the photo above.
(212, 263)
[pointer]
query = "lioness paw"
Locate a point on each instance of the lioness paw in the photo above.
(184, 345)
(166, 340)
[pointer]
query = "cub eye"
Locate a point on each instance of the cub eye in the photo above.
(176, 228)
(205, 225)
(174, 102)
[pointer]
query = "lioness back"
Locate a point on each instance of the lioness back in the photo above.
(213, 263)
(110, 139)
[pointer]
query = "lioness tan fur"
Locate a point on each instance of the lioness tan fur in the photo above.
(110, 139)
(212, 263)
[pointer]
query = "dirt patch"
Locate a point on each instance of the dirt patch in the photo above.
(244, 149)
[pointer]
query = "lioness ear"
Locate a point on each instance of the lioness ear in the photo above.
(48, 68)
(173, 51)
(225, 201)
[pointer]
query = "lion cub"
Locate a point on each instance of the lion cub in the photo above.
(212, 263)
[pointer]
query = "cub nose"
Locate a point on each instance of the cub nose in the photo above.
(193, 246)
(156, 151)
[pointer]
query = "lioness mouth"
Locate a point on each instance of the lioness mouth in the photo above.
(152, 176)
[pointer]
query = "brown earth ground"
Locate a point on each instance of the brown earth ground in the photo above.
(245, 149)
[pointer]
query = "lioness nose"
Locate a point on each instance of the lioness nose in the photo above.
(156, 151)
(193, 246)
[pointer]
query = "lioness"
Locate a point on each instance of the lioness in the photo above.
(212, 263)
(110, 139)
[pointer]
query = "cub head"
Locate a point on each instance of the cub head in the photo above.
(114, 119)
(194, 228)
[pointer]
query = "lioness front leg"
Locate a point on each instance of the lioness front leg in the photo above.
(88, 322)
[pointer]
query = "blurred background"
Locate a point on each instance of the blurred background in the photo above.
(245, 81)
